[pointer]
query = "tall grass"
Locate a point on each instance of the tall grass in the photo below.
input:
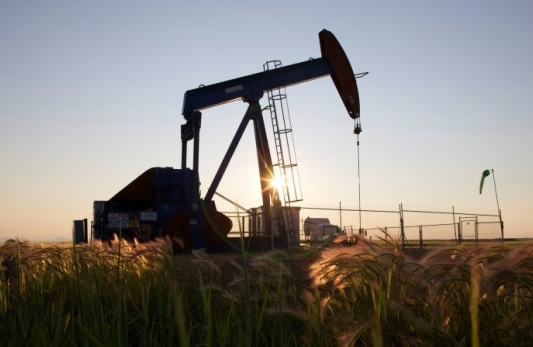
(77, 296)
(368, 294)
(128, 294)
(381, 296)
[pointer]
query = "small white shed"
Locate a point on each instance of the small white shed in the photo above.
(317, 228)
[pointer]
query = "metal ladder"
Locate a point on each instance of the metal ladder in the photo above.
(285, 153)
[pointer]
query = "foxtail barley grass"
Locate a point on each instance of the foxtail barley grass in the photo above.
(381, 296)
(373, 293)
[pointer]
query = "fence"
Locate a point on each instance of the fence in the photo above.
(412, 227)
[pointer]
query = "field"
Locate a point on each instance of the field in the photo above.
(371, 293)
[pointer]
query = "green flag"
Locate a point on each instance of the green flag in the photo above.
(483, 175)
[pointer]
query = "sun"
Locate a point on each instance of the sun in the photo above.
(277, 182)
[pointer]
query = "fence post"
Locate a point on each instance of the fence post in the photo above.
(454, 226)
(340, 215)
(402, 231)
(421, 243)
(501, 223)
(476, 231)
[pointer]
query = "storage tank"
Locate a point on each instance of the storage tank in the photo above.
(291, 220)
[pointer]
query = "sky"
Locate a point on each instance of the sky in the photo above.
(91, 95)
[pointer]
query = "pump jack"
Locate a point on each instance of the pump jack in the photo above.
(196, 220)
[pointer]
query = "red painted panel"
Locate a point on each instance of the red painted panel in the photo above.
(342, 73)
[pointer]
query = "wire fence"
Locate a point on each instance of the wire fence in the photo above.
(413, 227)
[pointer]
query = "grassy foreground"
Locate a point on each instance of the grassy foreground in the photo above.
(368, 294)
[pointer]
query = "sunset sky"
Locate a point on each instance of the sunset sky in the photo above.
(91, 95)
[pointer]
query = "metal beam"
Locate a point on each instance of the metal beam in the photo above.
(333, 62)
(252, 87)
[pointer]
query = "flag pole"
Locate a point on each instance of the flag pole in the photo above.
(498, 203)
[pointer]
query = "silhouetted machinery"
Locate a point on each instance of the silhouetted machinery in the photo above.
(167, 201)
